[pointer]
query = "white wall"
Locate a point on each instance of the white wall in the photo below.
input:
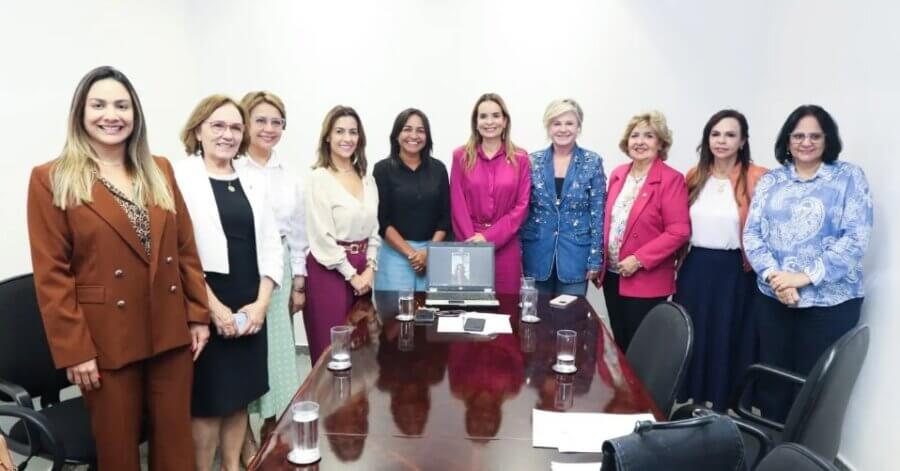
(688, 59)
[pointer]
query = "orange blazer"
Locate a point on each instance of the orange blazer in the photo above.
(754, 173)
(100, 295)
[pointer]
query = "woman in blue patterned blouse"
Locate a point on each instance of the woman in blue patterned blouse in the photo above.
(806, 234)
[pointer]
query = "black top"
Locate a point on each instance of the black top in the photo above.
(559, 186)
(416, 202)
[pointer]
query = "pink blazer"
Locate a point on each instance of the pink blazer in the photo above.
(658, 226)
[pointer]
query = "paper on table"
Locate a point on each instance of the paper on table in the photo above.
(493, 323)
(580, 431)
(557, 466)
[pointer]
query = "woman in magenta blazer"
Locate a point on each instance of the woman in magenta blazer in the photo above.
(646, 222)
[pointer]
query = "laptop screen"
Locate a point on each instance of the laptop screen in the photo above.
(460, 266)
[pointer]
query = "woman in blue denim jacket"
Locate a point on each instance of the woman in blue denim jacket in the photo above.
(562, 239)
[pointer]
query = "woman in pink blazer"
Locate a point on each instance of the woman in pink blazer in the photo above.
(646, 222)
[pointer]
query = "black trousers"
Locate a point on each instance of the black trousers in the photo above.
(794, 339)
(625, 313)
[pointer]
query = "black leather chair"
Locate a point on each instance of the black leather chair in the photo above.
(36, 424)
(660, 352)
(794, 457)
(27, 373)
(816, 417)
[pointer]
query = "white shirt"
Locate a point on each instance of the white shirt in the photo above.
(212, 245)
(286, 198)
(715, 221)
(333, 215)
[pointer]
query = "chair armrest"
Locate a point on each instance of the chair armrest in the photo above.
(765, 441)
(748, 381)
(15, 393)
(36, 427)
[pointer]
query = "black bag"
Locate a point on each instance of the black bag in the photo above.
(709, 443)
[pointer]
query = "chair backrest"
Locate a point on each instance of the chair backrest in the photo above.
(817, 416)
(660, 352)
(24, 352)
(793, 457)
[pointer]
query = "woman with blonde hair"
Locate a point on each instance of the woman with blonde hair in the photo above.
(240, 250)
(266, 121)
(342, 221)
(110, 232)
(562, 239)
(645, 224)
(490, 183)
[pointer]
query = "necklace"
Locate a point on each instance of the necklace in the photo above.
(231, 187)
(108, 164)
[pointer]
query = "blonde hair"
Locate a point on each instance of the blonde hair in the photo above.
(201, 113)
(557, 108)
(359, 155)
(657, 122)
(253, 99)
(75, 171)
(475, 137)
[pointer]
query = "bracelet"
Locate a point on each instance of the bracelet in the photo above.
(372, 263)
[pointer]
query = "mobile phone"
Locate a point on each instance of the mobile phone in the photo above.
(473, 324)
(424, 316)
(562, 300)
(240, 321)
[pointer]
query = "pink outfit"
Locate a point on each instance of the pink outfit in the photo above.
(491, 198)
(658, 226)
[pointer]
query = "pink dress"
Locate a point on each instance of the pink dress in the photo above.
(491, 198)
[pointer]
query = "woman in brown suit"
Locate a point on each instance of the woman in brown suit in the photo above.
(118, 278)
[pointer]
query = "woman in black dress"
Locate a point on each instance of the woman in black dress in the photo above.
(240, 251)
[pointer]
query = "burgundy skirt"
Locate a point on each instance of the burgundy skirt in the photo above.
(328, 300)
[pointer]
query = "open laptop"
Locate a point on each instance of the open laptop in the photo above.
(460, 274)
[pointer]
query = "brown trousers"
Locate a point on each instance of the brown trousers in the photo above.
(161, 387)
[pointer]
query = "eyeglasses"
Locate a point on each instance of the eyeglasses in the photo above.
(262, 121)
(219, 127)
(799, 137)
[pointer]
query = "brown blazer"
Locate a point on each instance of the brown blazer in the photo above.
(100, 295)
(754, 173)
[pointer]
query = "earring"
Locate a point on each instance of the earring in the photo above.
(354, 160)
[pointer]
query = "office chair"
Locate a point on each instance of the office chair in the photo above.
(27, 373)
(816, 417)
(794, 457)
(38, 425)
(660, 352)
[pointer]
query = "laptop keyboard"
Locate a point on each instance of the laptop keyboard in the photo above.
(454, 296)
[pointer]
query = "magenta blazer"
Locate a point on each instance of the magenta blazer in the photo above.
(658, 226)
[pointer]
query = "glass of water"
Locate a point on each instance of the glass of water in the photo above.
(528, 282)
(406, 340)
(565, 352)
(407, 305)
(340, 347)
(528, 301)
(305, 434)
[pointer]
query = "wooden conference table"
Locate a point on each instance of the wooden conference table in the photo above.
(416, 399)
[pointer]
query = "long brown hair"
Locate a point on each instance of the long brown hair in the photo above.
(475, 138)
(74, 172)
(707, 159)
(359, 155)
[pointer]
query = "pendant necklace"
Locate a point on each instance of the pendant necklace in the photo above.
(231, 187)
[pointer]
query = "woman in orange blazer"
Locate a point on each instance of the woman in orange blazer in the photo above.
(715, 282)
(118, 278)
(645, 224)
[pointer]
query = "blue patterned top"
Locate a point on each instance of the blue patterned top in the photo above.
(819, 227)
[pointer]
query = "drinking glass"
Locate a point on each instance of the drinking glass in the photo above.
(527, 337)
(565, 352)
(565, 392)
(406, 339)
(528, 282)
(528, 298)
(407, 305)
(340, 347)
(305, 435)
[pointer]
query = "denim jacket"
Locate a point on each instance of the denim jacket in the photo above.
(568, 230)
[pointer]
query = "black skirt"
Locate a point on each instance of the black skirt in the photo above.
(231, 373)
(717, 293)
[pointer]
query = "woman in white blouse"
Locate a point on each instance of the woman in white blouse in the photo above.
(266, 121)
(715, 283)
(342, 227)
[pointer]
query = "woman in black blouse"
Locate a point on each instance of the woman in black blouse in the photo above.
(413, 203)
